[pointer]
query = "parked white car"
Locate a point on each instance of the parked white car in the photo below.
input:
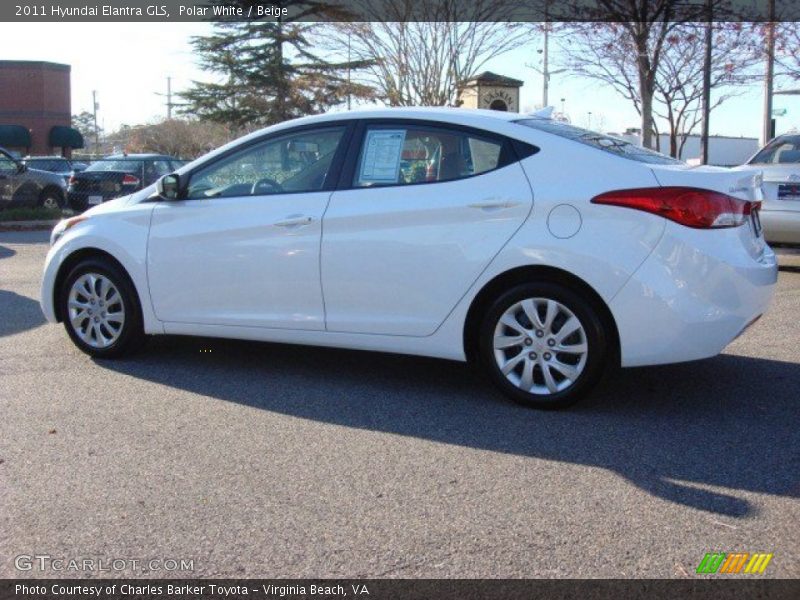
(779, 161)
(541, 252)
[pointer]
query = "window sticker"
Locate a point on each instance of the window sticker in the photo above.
(382, 151)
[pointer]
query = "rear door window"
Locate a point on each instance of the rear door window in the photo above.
(400, 155)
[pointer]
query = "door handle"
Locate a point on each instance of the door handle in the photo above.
(293, 221)
(491, 205)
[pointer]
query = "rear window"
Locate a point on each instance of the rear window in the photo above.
(48, 164)
(126, 166)
(783, 150)
(600, 141)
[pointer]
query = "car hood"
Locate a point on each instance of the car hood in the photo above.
(111, 205)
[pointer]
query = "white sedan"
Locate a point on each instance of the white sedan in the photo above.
(540, 252)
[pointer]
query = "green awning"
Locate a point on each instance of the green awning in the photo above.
(15, 136)
(65, 137)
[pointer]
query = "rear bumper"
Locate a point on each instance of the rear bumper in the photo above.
(79, 201)
(781, 226)
(693, 296)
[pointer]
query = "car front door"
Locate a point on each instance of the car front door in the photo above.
(242, 247)
(425, 209)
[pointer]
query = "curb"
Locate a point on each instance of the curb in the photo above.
(27, 225)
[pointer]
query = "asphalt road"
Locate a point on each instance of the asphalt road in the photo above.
(282, 461)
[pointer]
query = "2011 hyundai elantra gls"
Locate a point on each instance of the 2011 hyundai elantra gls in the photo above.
(542, 252)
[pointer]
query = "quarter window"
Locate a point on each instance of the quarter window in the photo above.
(293, 163)
(408, 155)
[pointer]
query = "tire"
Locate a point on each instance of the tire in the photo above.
(561, 363)
(51, 199)
(101, 287)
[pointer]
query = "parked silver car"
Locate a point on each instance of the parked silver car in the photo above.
(779, 161)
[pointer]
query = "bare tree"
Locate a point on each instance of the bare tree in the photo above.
(679, 78)
(624, 48)
(182, 138)
(421, 63)
(787, 49)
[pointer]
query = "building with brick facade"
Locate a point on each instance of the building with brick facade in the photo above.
(35, 108)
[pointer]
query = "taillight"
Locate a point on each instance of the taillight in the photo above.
(129, 179)
(693, 207)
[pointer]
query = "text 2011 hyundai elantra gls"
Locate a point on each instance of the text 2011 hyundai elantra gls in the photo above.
(540, 251)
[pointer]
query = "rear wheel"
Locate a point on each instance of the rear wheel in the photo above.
(543, 345)
(51, 200)
(101, 310)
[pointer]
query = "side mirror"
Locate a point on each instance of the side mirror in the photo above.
(21, 167)
(169, 187)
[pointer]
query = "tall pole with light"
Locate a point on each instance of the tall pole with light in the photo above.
(766, 128)
(707, 84)
(95, 106)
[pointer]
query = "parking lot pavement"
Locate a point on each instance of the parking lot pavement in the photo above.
(283, 461)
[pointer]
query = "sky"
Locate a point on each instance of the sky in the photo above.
(128, 65)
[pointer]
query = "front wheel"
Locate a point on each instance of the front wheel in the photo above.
(543, 345)
(101, 310)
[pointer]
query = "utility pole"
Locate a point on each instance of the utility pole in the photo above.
(95, 106)
(766, 129)
(348, 72)
(706, 85)
(545, 69)
(169, 98)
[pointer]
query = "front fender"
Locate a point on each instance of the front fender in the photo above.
(121, 234)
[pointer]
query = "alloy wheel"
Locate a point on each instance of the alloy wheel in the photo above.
(51, 203)
(540, 346)
(96, 310)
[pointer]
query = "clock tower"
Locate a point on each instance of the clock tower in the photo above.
(489, 90)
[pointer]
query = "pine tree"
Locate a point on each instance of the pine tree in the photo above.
(269, 71)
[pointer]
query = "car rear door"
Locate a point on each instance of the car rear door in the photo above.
(421, 210)
(242, 249)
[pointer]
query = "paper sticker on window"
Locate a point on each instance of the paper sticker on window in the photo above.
(382, 151)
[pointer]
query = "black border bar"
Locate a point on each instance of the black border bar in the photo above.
(749, 587)
(397, 10)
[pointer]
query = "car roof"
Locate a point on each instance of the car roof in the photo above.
(136, 156)
(470, 117)
(479, 116)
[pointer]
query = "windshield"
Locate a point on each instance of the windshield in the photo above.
(782, 150)
(600, 141)
(126, 166)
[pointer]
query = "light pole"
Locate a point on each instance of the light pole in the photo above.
(348, 71)
(766, 129)
(95, 106)
(706, 86)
